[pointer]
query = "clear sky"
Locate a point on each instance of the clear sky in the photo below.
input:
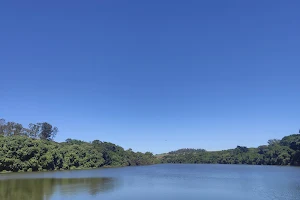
(153, 75)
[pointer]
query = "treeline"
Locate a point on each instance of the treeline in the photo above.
(278, 152)
(39, 130)
(33, 149)
(186, 150)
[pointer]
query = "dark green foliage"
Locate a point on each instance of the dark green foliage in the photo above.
(277, 152)
(43, 130)
(34, 150)
(11, 128)
(186, 150)
(47, 132)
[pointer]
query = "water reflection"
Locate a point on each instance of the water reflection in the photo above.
(43, 189)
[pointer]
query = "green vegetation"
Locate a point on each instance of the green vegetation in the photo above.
(33, 149)
(278, 152)
(186, 150)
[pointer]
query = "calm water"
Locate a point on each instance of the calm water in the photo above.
(208, 182)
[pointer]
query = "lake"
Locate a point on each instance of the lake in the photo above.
(164, 181)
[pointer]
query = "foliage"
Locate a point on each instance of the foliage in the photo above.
(33, 149)
(39, 130)
(186, 150)
(278, 152)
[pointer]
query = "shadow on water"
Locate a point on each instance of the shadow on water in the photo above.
(44, 188)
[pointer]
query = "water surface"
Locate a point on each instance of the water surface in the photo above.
(209, 182)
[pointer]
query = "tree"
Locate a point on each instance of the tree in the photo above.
(273, 141)
(279, 152)
(34, 130)
(2, 126)
(22, 150)
(11, 128)
(242, 149)
(44, 131)
(47, 132)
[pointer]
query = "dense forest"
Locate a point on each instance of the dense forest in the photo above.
(278, 152)
(33, 149)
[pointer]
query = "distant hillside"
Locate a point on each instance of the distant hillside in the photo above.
(278, 152)
(186, 150)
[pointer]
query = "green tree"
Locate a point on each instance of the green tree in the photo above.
(47, 132)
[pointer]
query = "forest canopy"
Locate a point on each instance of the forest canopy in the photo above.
(278, 152)
(33, 149)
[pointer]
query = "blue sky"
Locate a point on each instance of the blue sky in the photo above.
(153, 75)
